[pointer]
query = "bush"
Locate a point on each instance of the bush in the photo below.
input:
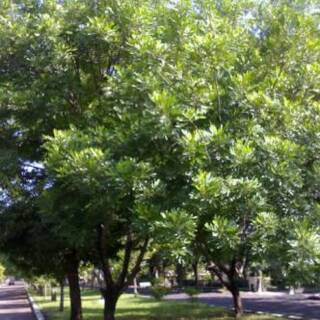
(192, 292)
(157, 282)
(53, 295)
(159, 292)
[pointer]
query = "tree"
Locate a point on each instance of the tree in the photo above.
(120, 161)
(117, 179)
(63, 66)
(29, 243)
(42, 64)
(149, 115)
(228, 86)
(71, 51)
(303, 254)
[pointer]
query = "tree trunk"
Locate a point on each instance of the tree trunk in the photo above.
(45, 289)
(237, 302)
(135, 286)
(195, 272)
(292, 290)
(61, 305)
(180, 271)
(110, 302)
(260, 279)
(72, 264)
(230, 283)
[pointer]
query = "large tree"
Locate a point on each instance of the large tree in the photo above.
(73, 63)
(121, 162)
(206, 112)
(52, 60)
(244, 101)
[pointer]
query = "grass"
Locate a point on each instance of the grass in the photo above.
(138, 308)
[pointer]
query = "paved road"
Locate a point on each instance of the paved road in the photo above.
(14, 304)
(297, 306)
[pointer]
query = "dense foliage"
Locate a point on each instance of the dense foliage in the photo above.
(191, 126)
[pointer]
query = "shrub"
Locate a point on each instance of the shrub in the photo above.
(159, 292)
(158, 282)
(192, 292)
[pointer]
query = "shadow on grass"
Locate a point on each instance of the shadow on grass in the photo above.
(90, 292)
(140, 308)
(144, 310)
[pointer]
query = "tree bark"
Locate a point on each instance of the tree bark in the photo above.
(110, 302)
(113, 288)
(292, 290)
(135, 286)
(237, 302)
(61, 305)
(195, 272)
(220, 271)
(72, 268)
(260, 284)
(180, 271)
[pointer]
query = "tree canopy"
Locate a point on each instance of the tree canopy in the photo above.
(129, 125)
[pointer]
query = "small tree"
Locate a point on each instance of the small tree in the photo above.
(158, 292)
(301, 262)
(192, 293)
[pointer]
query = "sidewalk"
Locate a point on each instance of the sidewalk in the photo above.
(14, 303)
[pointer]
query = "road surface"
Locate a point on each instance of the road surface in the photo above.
(296, 307)
(14, 303)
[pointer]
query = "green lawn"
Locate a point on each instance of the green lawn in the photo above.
(137, 308)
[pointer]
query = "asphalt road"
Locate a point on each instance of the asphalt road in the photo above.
(296, 307)
(14, 303)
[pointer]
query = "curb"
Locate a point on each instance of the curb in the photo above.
(35, 308)
(278, 315)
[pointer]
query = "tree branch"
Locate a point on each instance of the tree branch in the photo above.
(137, 264)
(126, 261)
(216, 270)
(102, 249)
